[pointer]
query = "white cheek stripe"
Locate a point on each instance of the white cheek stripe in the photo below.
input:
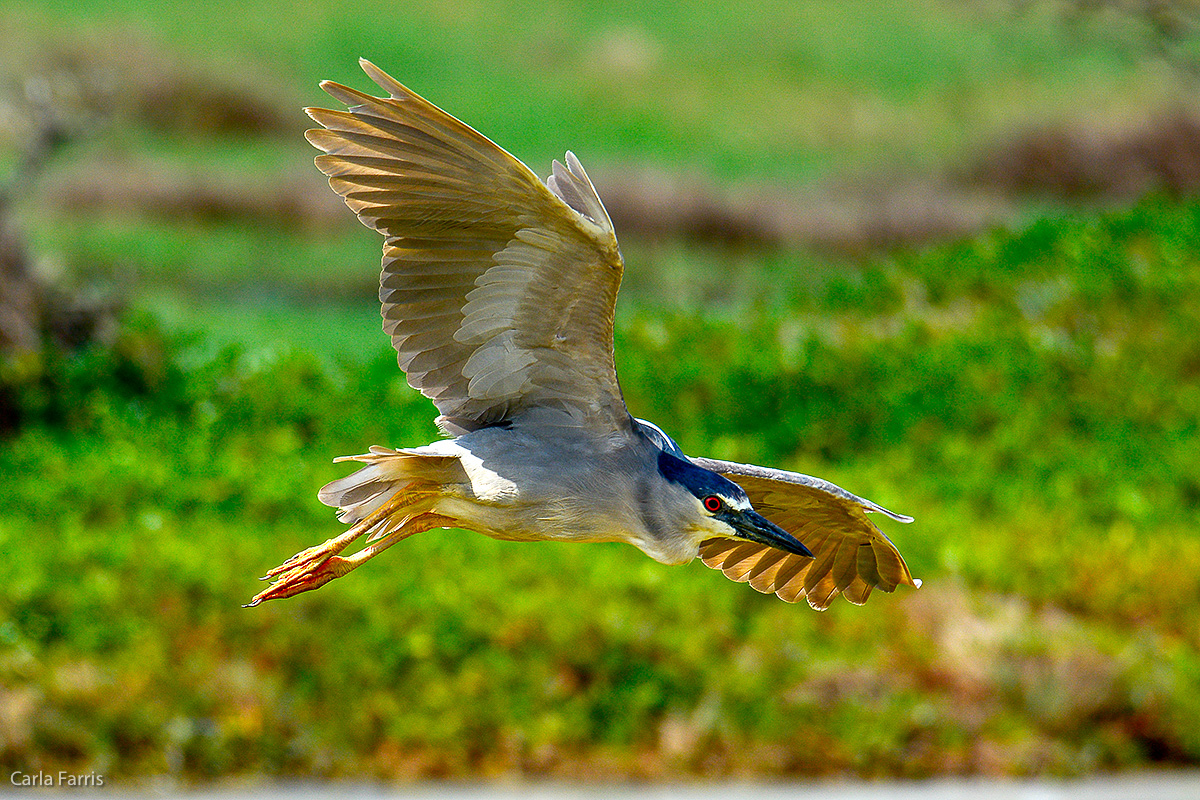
(741, 505)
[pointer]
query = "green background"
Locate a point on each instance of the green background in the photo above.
(1028, 390)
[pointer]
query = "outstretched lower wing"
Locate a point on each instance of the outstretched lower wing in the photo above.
(852, 556)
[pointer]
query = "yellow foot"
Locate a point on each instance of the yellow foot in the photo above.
(307, 574)
(309, 569)
(312, 556)
(313, 568)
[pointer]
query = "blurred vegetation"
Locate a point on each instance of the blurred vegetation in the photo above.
(1031, 396)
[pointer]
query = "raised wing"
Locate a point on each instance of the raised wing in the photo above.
(852, 556)
(498, 290)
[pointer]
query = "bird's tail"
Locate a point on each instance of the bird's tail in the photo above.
(387, 473)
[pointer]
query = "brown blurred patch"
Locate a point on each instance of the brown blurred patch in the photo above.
(1085, 163)
(33, 311)
(1075, 165)
(1089, 162)
(1079, 165)
(86, 81)
(198, 105)
(998, 655)
(656, 204)
(299, 199)
(649, 203)
(652, 204)
(19, 317)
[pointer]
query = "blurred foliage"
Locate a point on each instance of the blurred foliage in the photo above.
(1031, 397)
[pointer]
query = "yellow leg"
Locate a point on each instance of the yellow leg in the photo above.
(317, 566)
(418, 524)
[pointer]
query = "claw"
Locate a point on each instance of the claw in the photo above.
(304, 578)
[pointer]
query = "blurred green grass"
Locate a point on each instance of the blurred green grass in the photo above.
(1030, 396)
(1035, 409)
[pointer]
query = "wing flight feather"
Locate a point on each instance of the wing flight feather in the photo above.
(498, 290)
(851, 555)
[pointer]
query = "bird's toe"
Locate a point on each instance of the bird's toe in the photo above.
(303, 578)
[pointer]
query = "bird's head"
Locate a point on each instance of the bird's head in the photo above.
(722, 508)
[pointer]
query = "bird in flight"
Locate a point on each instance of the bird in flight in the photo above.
(498, 293)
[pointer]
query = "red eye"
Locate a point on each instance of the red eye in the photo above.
(712, 503)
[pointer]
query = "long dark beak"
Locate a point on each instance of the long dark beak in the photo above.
(757, 528)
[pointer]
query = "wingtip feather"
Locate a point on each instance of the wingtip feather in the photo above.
(384, 81)
(878, 509)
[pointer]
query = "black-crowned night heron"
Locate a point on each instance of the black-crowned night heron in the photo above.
(498, 291)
